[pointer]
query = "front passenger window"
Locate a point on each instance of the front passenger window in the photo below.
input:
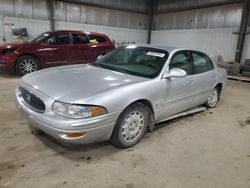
(181, 61)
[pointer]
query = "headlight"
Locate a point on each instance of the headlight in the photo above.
(77, 111)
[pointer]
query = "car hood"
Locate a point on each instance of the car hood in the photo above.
(78, 82)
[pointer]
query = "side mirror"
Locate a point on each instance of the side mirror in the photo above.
(175, 73)
(99, 57)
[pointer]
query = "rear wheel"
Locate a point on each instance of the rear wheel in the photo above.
(213, 98)
(27, 64)
(130, 126)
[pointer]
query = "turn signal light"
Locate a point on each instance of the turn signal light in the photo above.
(75, 134)
(96, 111)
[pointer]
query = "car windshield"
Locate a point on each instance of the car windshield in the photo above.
(139, 61)
(38, 38)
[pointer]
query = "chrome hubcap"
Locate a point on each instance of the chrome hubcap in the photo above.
(213, 98)
(28, 66)
(132, 126)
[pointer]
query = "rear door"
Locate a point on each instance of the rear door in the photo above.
(81, 49)
(204, 76)
(55, 51)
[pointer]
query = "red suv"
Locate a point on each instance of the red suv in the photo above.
(55, 48)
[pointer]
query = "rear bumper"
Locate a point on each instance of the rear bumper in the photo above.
(96, 129)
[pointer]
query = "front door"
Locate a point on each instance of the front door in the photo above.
(178, 91)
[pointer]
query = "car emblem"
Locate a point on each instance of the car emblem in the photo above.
(28, 98)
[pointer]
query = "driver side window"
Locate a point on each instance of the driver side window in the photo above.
(182, 61)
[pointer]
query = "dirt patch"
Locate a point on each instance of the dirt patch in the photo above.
(7, 170)
(243, 123)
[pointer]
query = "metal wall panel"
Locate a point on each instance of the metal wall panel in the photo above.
(190, 19)
(99, 16)
(23, 8)
(137, 21)
(33, 26)
(96, 16)
(113, 18)
(73, 13)
(233, 16)
(60, 11)
(136, 5)
(246, 49)
(79, 13)
(40, 9)
(216, 17)
(7, 8)
(202, 18)
(123, 19)
(180, 20)
(216, 40)
(1, 29)
(172, 5)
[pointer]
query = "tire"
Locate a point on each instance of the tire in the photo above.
(27, 64)
(213, 98)
(131, 126)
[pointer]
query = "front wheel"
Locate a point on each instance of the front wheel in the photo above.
(130, 126)
(27, 64)
(213, 98)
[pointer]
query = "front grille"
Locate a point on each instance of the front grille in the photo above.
(32, 101)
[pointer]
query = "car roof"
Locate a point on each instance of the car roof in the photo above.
(78, 31)
(169, 49)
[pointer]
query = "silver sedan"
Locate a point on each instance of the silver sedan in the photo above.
(121, 95)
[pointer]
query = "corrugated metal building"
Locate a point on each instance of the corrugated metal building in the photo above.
(210, 26)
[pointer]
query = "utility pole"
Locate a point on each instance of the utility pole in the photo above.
(150, 7)
(243, 29)
(51, 10)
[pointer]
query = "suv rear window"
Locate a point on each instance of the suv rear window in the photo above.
(99, 39)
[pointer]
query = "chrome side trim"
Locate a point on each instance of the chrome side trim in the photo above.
(192, 111)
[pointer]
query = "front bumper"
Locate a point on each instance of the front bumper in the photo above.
(96, 129)
(7, 63)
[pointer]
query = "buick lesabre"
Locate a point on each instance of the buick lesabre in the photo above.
(120, 95)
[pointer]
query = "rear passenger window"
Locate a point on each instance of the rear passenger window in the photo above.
(202, 63)
(80, 39)
(182, 61)
(59, 39)
(98, 38)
